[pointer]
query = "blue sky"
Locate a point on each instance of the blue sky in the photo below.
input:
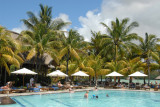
(12, 11)
(86, 15)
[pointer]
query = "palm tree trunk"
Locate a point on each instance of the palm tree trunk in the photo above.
(67, 64)
(115, 57)
(5, 78)
(96, 80)
(89, 80)
(1, 76)
(144, 81)
(148, 65)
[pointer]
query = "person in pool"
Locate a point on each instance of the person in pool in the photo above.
(71, 90)
(86, 94)
(95, 96)
(96, 89)
(107, 95)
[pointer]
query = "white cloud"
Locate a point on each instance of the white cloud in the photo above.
(19, 29)
(145, 12)
(63, 16)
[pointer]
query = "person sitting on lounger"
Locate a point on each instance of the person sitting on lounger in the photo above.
(59, 84)
(146, 86)
(159, 85)
(119, 85)
(8, 85)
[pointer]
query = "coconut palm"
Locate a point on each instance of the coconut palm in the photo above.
(95, 45)
(94, 67)
(131, 66)
(7, 50)
(118, 38)
(73, 45)
(148, 47)
(40, 38)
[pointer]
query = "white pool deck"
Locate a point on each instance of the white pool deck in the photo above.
(67, 91)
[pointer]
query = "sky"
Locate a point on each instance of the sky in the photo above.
(85, 15)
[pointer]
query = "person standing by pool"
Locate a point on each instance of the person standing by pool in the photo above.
(31, 82)
(86, 94)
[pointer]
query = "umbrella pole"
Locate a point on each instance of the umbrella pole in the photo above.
(23, 80)
(114, 79)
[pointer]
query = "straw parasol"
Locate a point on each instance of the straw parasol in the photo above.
(137, 74)
(158, 78)
(115, 74)
(24, 71)
(80, 73)
(57, 73)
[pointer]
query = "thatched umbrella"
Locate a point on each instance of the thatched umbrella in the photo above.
(114, 74)
(158, 78)
(138, 74)
(24, 71)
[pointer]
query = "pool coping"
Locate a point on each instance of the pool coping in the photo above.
(67, 91)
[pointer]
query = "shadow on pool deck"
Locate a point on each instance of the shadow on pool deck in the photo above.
(6, 101)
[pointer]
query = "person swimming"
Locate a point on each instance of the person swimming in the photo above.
(95, 96)
(107, 95)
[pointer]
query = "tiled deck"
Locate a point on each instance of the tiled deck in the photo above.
(67, 91)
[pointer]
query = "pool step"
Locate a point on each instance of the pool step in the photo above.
(6, 101)
(23, 102)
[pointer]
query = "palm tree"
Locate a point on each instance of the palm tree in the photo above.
(41, 36)
(73, 44)
(94, 65)
(95, 45)
(119, 37)
(148, 46)
(8, 50)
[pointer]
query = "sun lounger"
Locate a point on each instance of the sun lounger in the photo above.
(77, 87)
(146, 87)
(156, 89)
(44, 89)
(131, 86)
(6, 91)
(138, 87)
(54, 87)
(34, 89)
(18, 90)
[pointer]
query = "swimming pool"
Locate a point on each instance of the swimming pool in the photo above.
(115, 99)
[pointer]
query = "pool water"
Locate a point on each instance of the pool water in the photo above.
(115, 99)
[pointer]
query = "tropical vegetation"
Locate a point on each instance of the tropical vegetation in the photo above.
(117, 50)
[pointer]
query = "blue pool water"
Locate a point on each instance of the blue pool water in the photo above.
(115, 99)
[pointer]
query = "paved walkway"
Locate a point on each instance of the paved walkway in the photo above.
(67, 91)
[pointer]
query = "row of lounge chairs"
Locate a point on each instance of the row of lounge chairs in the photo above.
(39, 88)
(137, 86)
